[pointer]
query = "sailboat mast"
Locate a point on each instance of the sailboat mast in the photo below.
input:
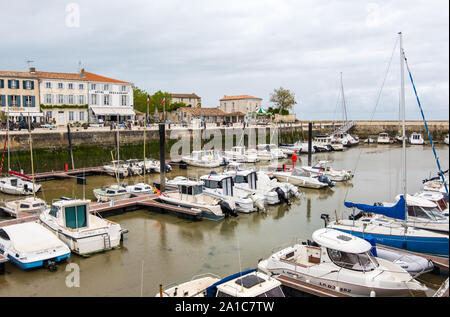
(403, 112)
(344, 107)
(7, 135)
(31, 154)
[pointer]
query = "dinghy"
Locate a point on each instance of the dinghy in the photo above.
(30, 245)
(343, 263)
(84, 233)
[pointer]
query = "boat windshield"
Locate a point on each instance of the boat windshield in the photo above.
(352, 261)
(54, 211)
(425, 212)
(239, 179)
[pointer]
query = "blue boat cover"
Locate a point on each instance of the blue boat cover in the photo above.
(369, 238)
(212, 290)
(398, 211)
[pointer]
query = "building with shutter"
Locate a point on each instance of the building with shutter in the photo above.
(191, 100)
(19, 96)
(241, 103)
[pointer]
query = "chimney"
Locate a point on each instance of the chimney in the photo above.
(32, 70)
(82, 73)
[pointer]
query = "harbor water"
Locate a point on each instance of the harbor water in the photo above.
(162, 248)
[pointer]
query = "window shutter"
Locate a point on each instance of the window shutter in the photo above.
(32, 85)
(24, 101)
(18, 101)
(1, 83)
(32, 101)
(24, 83)
(9, 83)
(9, 100)
(17, 84)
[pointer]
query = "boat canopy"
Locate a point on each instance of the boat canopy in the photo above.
(340, 241)
(398, 211)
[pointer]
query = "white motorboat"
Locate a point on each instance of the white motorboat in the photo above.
(423, 214)
(247, 180)
(207, 159)
(239, 154)
(383, 138)
(153, 166)
(221, 186)
(436, 184)
(273, 149)
(302, 178)
(262, 155)
(190, 195)
(140, 188)
(116, 169)
(369, 140)
(251, 283)
(29, 205)
(416, 139)
(134, 167)
(84, 233)
(113, 192)
(345, 139)
(18, 186)
(295, 148)
(343, 263)
(438, 198)
(322, 143)
(336, 145)
(324, 168)
(29, 245)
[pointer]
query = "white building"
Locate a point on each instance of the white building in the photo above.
(241, 103)
(109, 99)
(63, 97)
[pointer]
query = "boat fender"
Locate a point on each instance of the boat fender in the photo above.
(282, 196)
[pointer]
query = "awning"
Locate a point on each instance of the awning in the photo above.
(25, 114)
(113, 111)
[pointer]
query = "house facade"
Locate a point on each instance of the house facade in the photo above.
(64, 97)
(209, 115)
(241, 103)
(191, 100)
(109, 99)
(19, 95)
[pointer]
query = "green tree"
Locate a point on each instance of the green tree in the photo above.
(140, 99)
(156, 101)
(283, 100)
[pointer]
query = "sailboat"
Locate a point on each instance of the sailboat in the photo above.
(18, 184)
(392, 232)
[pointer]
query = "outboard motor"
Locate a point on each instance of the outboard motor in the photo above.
(226, 209)
(50, 265)
(225, 161)
(282, 196)
(168, 167)
(326, 180)
(326, 218)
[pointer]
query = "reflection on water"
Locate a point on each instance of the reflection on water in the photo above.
(172, 249)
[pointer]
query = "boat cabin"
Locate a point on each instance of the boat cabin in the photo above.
(422, 208)
(215, 181)
(190, 187)
(322, 139)
(246, 177)
(238, 149)
(73, 213)
(439, 199)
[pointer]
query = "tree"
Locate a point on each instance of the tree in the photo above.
(283, 100)
(156, 101)
(140, 99)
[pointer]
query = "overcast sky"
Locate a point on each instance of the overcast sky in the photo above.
(215, 48)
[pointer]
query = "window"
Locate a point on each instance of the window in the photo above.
(70, 86)
(13, 84)
(105, 87)
(81, 86)
(275, 292)
(48, 85)
(94, 99)
(80, 99)
(60, 99)
(60, 85)
(2, 83)
(54, 211)
(75, 217)
(4, 235)
(352, 261)
(2, 101)
(71, 116)
(124, 100)
(27, 84)
(27, 101)
(70, 100)
(50, 114)
(124, 88)
(93, 86)
(81, 115)
(106, 100)
(14, 101)
(48, 98)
